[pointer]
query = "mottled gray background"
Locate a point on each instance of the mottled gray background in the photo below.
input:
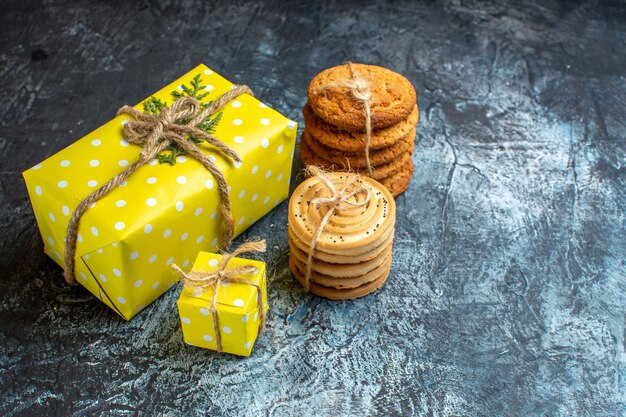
(508, 291)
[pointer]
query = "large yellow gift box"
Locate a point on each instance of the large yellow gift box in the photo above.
(237, 308)
(167, 210)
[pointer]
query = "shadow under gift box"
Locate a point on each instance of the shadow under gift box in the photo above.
(163, 213)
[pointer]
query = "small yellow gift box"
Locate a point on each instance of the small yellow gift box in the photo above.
(168, 209)
(236, 307)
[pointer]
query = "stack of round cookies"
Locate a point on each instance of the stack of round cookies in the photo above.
(335, 135)
(351, 257)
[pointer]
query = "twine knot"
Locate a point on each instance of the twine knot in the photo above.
(338, 198)
(147, 129)
(360, 89)
(222, 273)
(155, 133)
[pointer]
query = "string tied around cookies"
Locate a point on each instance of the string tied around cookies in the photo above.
(155, 133)
(344, 197)
(222, 273)
(360, 89)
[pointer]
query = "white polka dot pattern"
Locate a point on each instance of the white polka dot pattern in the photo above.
(236, 305)
(181, 198)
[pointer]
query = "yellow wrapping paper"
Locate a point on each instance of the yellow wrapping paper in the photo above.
(237, 308)
(163, 213)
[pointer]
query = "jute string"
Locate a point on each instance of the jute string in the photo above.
(204, 280)
(360, 89)
(154, 133)
(338, 199)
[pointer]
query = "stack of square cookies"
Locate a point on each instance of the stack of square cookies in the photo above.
(335, 138)
(352, 256)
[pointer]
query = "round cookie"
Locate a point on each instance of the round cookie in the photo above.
(343, 270)
(340, 294)
(351, 256)
(393, 97)
(379, 172)
(399, 182)
(353, 141)
(358, 160)
(350, 228)
(344, 282)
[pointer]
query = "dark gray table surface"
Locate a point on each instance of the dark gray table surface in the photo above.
(508, 288)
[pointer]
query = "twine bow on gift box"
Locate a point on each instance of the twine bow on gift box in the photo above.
(154, 133)
(204, 280)
(361, 90)
(337, 200)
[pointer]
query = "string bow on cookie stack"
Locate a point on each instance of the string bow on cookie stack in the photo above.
(361, 117)
(341, 228)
